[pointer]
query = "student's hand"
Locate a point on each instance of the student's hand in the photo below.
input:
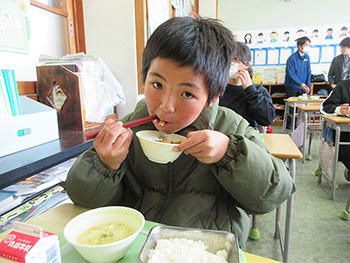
(344, 109)
(333, 86)
(245, 78)
(112, 144)
(305, 87)
(206, 145)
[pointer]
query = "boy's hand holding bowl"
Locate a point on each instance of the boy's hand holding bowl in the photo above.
(207, 146)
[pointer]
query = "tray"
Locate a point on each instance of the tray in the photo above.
(69, 254)
(214, 239)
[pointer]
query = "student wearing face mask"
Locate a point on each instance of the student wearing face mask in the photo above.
(249, 100)
(298, 70)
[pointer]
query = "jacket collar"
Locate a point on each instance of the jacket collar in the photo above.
(205, 120)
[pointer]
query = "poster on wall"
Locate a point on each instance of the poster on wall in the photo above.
(284, 55)
(14, 26)
(314, 54)
(287, 36)
(327, 54)
(273, 56)
(260, 57)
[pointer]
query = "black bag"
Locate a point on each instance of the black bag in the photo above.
(317, 78)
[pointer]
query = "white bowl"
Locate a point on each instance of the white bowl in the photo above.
(112, 214)
(159, 152)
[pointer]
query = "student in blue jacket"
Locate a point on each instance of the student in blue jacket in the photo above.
(298, 70)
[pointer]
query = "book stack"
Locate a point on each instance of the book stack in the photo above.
(8, 200)
(25, 190)
(9, 100)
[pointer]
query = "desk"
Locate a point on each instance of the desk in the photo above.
(55, 220)
(291, 103)
(282, 146)
(23, 164)
(339, 124)
(309, 110)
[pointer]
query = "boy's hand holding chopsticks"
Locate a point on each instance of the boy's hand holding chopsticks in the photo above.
(112, 144)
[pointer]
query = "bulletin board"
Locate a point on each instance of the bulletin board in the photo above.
(13, 26)
(319, 54)
(252, 53)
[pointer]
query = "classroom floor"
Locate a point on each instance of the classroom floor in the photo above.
(318, 232)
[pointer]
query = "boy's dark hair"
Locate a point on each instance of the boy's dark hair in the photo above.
(300, 30)
(330, 29)
(201, 43)
(260, 34)
(345, 42)
(301, 41)
(243, 54)
(315, 31)
(343, 28)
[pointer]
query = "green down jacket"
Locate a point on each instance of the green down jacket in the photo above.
(187, 192)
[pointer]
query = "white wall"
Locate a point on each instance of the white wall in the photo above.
(256, 14)
(207, 8)
(110, 34)
(48, 36)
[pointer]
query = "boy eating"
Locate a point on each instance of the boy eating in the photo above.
(225, 171)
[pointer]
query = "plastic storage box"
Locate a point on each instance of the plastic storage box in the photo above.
(36, 125)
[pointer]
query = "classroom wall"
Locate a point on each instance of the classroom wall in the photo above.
(207, 8)
(256, 14)
(110, 34)
(48, 36)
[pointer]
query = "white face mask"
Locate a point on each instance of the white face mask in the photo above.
(306, 49)
(233, 70)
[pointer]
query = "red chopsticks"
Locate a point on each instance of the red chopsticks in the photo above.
(92, 135)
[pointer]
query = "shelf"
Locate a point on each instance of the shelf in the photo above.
(273, 84)
(277, 123)
(23, 164)
(319, 83)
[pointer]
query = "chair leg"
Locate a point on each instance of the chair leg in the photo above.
(254, 233)
(309, 156)
(309, 150)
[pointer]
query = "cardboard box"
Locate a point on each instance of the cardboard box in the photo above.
(36, 125)
(30, 244)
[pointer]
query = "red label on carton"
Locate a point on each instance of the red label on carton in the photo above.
(16, 245)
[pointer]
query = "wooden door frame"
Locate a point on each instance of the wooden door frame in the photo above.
(140, 29)
(74, 14)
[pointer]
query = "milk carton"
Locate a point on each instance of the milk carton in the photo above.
(30, 244)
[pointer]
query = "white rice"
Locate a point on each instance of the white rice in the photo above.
(182, 250)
